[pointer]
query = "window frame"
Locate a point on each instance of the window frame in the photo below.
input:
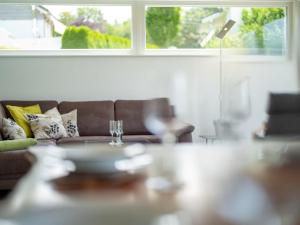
(138, 29)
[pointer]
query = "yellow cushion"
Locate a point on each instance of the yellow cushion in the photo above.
(18, 112)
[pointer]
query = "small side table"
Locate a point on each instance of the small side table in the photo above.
(208, 138)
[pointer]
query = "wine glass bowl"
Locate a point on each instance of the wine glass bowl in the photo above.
(119, 132)
(239, 108)
(159, 120)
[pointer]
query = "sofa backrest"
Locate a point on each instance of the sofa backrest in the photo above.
(45, 105)
(92, 116)
(284, 114)
(132, 112)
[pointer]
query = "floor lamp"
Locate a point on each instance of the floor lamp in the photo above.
(221, 35)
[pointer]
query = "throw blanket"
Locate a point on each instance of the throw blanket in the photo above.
(10, 145)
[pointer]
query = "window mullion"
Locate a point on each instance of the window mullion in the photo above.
(138, 28)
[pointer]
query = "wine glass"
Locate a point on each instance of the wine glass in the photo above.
(239, 107)
(119, 131)
(112, 130)
(160, 120)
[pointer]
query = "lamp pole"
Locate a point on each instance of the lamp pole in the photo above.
(222, 33)
(221, 81)
(219, 126)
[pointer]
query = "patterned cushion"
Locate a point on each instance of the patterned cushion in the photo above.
(11, 130)
(69, 121)
(44, 126)
(17, 113)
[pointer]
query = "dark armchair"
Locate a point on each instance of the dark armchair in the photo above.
(283, 117)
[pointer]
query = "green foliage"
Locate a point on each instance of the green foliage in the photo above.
(171, 26)
(255, 19)
(85, 38)
(120, 29)
(163, 24)
(151, 46)
(92, 14)
(66, 18)
(230, 41)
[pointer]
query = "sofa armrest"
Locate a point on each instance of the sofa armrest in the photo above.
(184, 128)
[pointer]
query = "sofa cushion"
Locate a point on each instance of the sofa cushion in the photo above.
(14, 162)
(92, 117)
(44, 105)
(46, 142)
(46, 127)
(84, 139)
(11, 130)
(70, 123)
(144, 139)
(132, 112)
(18, 114)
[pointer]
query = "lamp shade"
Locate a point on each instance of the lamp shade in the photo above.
(226, 28)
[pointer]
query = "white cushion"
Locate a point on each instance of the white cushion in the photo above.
(11, 130)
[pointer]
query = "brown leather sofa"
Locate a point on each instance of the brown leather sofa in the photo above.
(93, 124)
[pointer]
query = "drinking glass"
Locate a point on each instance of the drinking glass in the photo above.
(112, 130)
(237, 112)
(159, 121)
(239, 102)
(119, 132)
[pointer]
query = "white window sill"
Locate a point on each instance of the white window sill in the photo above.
(209, 53)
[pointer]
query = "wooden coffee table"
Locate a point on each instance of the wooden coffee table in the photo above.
(220, 186)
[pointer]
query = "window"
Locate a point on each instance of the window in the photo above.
(258, 31)
(54, 27)
(134, 27)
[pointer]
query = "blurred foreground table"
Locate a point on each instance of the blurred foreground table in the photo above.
(256, 183)
(237, 184)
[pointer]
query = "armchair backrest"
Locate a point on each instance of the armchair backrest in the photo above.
(284, 114)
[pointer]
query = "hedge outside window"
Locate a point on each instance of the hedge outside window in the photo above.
(54, 27)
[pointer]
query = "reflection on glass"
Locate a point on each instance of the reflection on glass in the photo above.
(259, 31)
